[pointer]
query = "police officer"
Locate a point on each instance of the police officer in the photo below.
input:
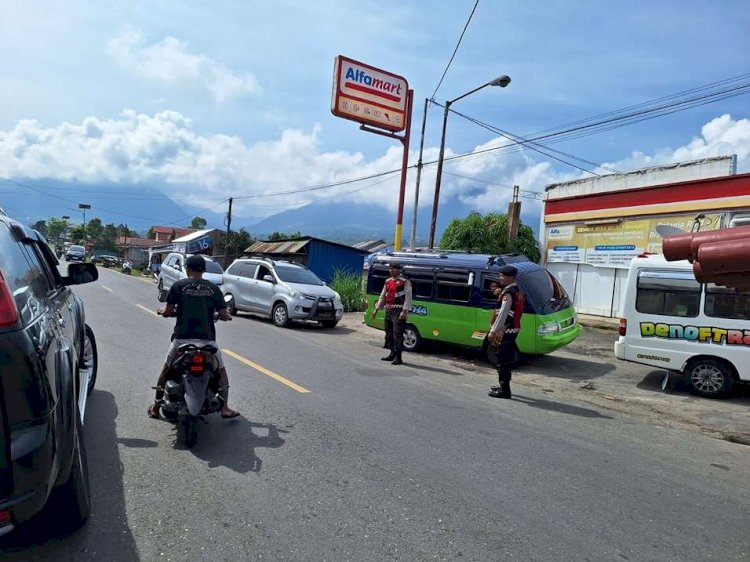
(504, 330)
(396, 299)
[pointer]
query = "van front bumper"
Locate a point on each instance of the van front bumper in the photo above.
(551, 342)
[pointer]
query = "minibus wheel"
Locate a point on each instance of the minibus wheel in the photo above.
(412, 339)
(710, 378)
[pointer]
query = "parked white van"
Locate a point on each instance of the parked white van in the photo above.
(671, 321)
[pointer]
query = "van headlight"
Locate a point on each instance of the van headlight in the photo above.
(548, 328)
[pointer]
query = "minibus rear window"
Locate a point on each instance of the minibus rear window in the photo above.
(727, 303)
(668, 293)
(543, 291)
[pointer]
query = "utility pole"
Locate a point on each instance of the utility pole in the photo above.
(514, 215)
(229, 230)
(412, 241)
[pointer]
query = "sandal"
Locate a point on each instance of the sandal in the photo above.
(153, 411)
(230, 415)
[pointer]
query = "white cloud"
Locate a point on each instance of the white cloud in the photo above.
(163, 150)
(169, 62)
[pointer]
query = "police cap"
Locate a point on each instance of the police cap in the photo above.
(509, 270)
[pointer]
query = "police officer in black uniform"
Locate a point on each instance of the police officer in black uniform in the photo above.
(504, 330)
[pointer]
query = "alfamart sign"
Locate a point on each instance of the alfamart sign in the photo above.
(366, 94)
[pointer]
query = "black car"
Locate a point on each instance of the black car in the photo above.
(75, 253)
(48, 363)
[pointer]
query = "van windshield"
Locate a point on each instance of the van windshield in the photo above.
(543, 291)
(297, 275)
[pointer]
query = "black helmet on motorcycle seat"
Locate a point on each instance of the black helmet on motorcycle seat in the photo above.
(196, 263)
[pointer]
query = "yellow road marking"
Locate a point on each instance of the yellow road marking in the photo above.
(265, 371)
(147, 309)
(107, 289)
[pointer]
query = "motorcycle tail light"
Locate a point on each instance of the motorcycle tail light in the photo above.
(198, 363)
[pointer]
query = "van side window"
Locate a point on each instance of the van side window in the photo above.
(727, 303)
(422, 281)
(488, 297)
(379, 275)
(454, 285)
(668, 293)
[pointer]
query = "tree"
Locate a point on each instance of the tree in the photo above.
(77, 234)
(488, 234)
(41, 227)
(108, 238)
(94, 228)
(123, 230)
(151, 235)
(239, 240)
(199, 223)
(56, 228)
(281, 236)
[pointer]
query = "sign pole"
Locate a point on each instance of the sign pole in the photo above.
(404, 166)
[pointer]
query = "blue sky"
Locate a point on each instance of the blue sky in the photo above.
(210, 99)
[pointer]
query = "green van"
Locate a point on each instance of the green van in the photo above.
(452, 301)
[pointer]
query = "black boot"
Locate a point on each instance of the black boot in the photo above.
(391, 356)
(397, 359)
(503, 391)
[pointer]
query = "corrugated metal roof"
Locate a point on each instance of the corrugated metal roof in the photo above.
(371, 246)
(281, 247)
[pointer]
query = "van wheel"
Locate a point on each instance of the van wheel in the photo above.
(710, 378)
(412, 339)
(280, 315)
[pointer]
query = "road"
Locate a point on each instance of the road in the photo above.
(339, 456)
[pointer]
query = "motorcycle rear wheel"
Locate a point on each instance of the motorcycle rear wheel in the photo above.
(187, 430)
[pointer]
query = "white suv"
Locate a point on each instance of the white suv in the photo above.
(173, 269)
(281, 290)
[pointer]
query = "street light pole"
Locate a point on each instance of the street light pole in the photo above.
(501, 81)
(412, 241)
(84, 206)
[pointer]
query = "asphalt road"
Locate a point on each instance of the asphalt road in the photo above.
(339, 456)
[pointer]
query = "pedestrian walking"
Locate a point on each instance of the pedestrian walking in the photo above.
(506, 324)
(396, 299)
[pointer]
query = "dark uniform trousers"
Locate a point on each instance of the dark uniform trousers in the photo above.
(394, 329)
(506, 358)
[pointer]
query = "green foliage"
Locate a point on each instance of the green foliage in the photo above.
(239, 240)
(94, 228)
(488, 234)
(41, 227)
(151, 235)
(77, 234)
(56, 229)
(198, 223)
(281, 236)
(350, 286)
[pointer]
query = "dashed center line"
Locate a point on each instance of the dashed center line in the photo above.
(261, 369)
(107, 289)
(146, 309)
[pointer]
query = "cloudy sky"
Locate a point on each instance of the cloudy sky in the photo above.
(207, 100)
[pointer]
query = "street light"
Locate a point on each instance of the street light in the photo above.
(501, 81)
(84, 206)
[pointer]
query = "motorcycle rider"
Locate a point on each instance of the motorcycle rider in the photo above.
(193, 302)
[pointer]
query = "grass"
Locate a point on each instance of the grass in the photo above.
(349, 285)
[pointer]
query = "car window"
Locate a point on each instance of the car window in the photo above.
(246, 270)
(171, 261)
(543, 291)
(262, 272)
(77, 249)
(213, 267)
(668, 293)
(297, 275)
(722, 302)
(24, 276)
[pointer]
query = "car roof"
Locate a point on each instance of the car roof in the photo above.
(269, 260)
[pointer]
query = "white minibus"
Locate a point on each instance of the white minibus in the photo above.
(670, 321)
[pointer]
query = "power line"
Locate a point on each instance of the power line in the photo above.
(432, 97)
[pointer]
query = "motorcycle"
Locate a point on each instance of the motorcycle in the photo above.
(191, 391)
(127, 267)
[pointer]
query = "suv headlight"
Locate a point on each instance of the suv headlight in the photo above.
(337, 300)
(548, 328)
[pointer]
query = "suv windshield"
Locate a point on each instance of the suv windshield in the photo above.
(544, 292)
(297, 275)
(213, 267)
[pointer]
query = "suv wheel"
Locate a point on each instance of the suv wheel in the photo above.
(71, 501)
(162, 293)
(280, 315)
(231, 307)
(90, 359)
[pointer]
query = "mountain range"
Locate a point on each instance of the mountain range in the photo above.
(141, 207)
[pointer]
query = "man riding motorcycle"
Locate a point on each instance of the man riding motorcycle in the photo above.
(193, 302)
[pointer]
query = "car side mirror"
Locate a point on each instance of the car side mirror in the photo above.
(269, 278)
(80, 273)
